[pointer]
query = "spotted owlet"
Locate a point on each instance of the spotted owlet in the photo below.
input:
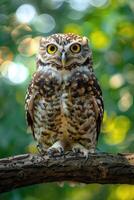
(64, 104)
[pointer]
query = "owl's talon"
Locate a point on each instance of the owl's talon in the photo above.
(61, 151)
(41, 150)
(92, 150)
(76, 151)
(50, 152)
(78, 148)
(56, 149)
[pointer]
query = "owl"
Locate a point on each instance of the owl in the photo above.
(64, 104)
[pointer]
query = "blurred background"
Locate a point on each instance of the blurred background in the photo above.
(109, 25)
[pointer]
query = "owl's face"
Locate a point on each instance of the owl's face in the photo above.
(64, 50)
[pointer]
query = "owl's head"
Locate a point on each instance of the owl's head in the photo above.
(64, 50)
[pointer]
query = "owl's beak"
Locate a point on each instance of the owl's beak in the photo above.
(63, 58)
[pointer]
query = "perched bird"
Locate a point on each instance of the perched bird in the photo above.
(64, 104)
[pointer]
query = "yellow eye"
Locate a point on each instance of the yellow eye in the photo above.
(75, 48)
(51, 48)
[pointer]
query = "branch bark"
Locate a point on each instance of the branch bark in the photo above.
(28, 169)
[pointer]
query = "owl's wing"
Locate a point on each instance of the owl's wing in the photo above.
(29, 102)
(98, 105)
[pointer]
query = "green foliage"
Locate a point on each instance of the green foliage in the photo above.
(109, 25)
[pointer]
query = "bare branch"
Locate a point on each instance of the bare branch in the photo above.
(28, 169)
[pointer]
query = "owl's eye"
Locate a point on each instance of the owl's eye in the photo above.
(75, 48)
(51, 48)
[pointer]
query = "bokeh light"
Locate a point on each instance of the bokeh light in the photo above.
(44, 23)
(129, 73)
(77, 15)
(17, 73)
(4, 68)
(20, 31)
(128, 192)
(79, 5)
(116, 81)
(115, 129)
(29, 46)
(5, 54)
(126, 29)
(31, 148)
(72, 28)
(98, 3)
(99, 40)
(25, 13)
(81, 194)
(122, 192)
(125, 101)
(53, 4)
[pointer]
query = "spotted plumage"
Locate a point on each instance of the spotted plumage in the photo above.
(64, 104)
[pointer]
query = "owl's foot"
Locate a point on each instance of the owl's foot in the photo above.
(41, 150)
(56, 149)
(92, 150)
(78, 148)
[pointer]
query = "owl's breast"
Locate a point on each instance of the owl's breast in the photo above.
(78, 82)
(66, 101)
(48, 81)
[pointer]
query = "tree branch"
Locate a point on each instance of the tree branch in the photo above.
(28, 169)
